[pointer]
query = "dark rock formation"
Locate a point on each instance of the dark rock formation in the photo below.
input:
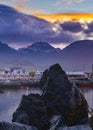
(60, 98)
(15, 126)
(63, 98)
(78, 127)
(32, 111)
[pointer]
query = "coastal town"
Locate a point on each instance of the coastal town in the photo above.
(16, 76)
(19, 76)
(54, 92)
(46, 65)
(18, 72)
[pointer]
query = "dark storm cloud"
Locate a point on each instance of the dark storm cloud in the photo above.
(89, 29)
(74, 27)
(20, 28)
(13, 23)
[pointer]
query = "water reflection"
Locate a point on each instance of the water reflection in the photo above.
(88, 93)
(10, 99)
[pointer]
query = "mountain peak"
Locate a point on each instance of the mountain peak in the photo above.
(80, 45)
(41, 43)
(41, 46)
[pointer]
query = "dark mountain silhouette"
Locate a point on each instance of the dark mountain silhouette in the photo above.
(76, 56)
(6, 50)
(7, 54)
(77, 47)
(39, 47)
(10, 57)
(40, 53)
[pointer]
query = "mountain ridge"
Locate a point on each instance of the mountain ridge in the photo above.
(41, 46)
(75, 55)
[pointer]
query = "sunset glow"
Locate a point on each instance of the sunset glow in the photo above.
(28, 21)
(26, 10)
(61, 46)
(66, 17)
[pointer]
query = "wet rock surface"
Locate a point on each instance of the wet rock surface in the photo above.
(60, 106)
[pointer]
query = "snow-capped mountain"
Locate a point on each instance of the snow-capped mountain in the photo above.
(39, 47)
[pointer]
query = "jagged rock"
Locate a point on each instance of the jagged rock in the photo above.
(78, 127)
(15, 126)
(32, 111)
(62, 98)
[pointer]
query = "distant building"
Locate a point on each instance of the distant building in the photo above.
(17, 71)
(38, 74)
(77, 75)
(2, 72)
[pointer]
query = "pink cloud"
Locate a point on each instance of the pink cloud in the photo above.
(25, 9)
(68, 2)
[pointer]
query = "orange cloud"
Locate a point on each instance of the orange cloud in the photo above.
(27, 10)
(66, 17)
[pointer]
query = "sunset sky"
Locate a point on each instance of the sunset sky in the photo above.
(64, 21)
(51, 6)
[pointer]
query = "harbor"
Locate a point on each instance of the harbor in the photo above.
(21, 82)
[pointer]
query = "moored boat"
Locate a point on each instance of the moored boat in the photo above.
(85, 85)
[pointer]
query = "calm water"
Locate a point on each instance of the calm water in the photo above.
(10, 99)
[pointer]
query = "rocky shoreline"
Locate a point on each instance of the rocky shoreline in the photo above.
(61, 106)
(17, 126)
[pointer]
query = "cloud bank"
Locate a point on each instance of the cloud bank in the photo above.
(19, 28)
(72, 26)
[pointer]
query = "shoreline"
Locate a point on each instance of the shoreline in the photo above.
(19, 84)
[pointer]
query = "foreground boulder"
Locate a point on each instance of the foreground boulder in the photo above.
(79, 127)
(15, 126)
(32, 111)
(62, 98)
